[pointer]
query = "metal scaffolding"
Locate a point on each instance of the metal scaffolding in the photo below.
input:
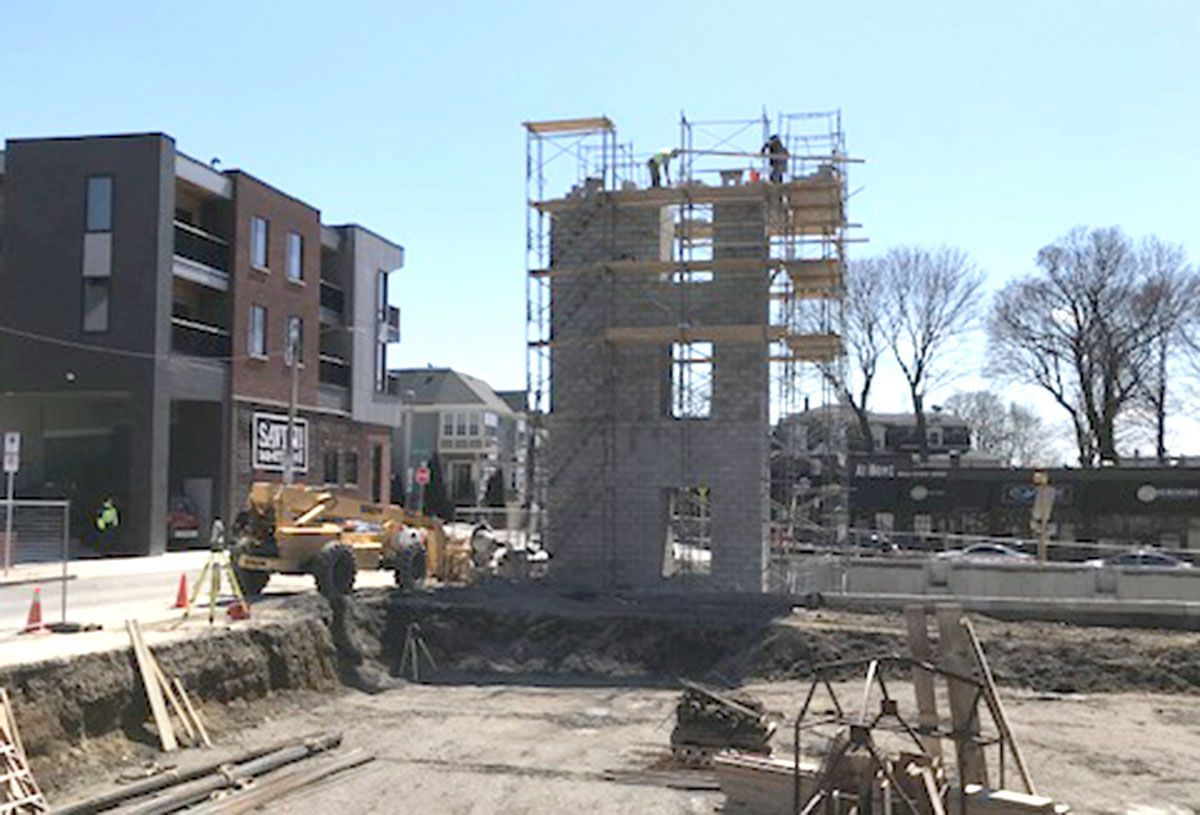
(782, 226)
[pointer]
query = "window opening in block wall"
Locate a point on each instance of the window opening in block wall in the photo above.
(689, 531)
(691, 380)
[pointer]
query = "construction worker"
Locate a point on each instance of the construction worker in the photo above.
(779, 157)
(107, 521)
(661, 162)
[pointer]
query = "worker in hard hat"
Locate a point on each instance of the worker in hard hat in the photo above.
(660, 163)
(778, 154)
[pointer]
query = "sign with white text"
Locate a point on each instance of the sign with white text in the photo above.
(268, 434)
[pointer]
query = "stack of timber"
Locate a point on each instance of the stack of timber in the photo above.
(707, 721)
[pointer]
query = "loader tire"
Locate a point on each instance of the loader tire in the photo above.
(250, 581)
(335, 570)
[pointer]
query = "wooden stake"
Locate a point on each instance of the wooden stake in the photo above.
(993, 702)
(166, 733)
(923, 686)
(173, 699)
(954, 655)
(187, 703)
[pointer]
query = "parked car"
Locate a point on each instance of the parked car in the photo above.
(997, 552)
(182, 524)
(1142, 558)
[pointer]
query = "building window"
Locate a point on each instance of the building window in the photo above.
(257, 336)
(377, 472)
(447, 424)
(259, 230)
(381, 294)
(460, 424)
(351, 468)
(95, 304)
(293, 336)
(691, 380)
(99, 203)
(491, 425)
(473, 424)
(381, 367)
(294, 263)
(329, 470)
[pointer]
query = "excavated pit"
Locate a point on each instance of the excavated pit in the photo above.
(89, 713)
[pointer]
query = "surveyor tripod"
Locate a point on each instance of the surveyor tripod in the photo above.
(217, 566)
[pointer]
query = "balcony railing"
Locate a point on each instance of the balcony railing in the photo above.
(196, 244)
(334, 371)
(198, 339)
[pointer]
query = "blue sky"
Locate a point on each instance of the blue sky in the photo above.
(992, 126)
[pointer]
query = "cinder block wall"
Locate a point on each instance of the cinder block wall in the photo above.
(614, 401)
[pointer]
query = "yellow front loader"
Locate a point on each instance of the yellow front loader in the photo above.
(298, 529)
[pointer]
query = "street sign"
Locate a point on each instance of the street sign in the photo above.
(422, 475)
(268, 440)
(12, 452)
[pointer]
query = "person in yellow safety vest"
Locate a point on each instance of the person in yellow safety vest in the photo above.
(661, 162)
(107, 521)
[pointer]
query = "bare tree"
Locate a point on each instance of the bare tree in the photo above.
(1175, 287)
(1012, 433)
(930, 297)
(1084, 328)
(862, 334)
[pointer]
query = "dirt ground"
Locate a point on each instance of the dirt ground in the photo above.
(535, 749)
(553, 703)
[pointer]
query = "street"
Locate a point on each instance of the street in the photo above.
(109, 591)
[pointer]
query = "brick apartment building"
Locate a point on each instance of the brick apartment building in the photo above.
(146, 302)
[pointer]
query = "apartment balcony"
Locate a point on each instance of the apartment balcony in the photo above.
(333, 303)
(334, 371)
(195, 339)
(468, 444)
(201, 256)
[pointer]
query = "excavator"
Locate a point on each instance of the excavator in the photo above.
(298, 529)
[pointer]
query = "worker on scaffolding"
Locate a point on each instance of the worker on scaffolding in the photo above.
(779, 155)
(660, 166)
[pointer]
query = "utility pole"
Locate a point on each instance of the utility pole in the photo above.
(289, 446)
(410, 396)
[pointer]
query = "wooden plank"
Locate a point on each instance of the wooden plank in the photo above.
(187, 703)
(166, 733)
(582, 124)
(954, 655)
(172, 700)
(812, 200)
(993, 702)
(815, 347)
(923, 685)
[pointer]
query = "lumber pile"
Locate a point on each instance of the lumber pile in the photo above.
(707, 721)
(161, 691)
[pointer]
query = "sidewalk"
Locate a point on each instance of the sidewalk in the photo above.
(22, 574)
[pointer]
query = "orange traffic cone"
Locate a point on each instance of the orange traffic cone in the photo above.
(34, 624)
(181, 597)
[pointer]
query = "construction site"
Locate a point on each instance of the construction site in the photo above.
(683, 628)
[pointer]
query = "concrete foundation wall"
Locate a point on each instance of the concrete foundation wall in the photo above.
(1052, 582)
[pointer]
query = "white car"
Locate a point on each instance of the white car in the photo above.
(991, 552)
(1142, 558)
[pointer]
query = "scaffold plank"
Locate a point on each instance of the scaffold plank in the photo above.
(570, 125)
(814, 347)
(814, 192)
(694, 333)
